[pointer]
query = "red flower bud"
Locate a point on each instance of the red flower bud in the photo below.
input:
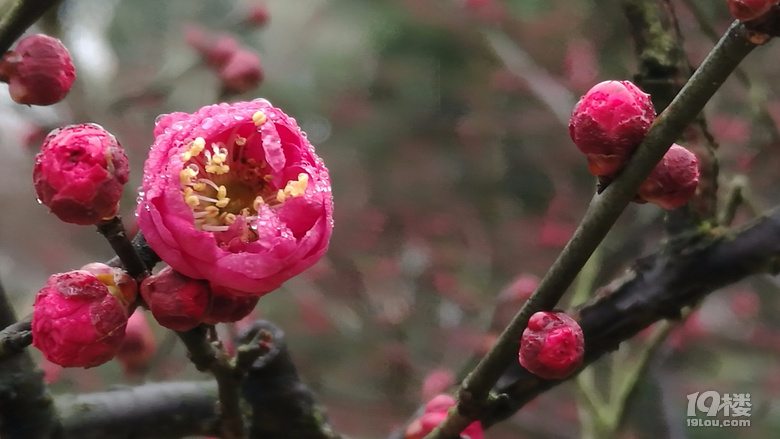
(257, 14)
(176, 301)
(746, 10)
(609, 123)
(215, 48)
(76, 321)
(435, 412)
(139, 345)
(79, 173)
(673, 181)
(242, 72)
(39, 71)
(227, 306)
(552, 345)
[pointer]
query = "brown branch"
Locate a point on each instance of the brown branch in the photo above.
(159, 410)
(114, 232)
(656, 288)
(211, 356)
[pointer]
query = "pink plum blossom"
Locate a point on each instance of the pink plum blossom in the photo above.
(236, 195)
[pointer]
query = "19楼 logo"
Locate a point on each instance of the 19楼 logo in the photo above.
(710, 403)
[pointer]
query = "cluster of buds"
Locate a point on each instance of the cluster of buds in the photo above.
(181, 303)
(747, 10)
(80, 172)
(80, 316)
(434, 414)
(238, 68)
(552, 346)
(609, 122)
(39, 71)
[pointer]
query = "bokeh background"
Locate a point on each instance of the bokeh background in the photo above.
(443, 124)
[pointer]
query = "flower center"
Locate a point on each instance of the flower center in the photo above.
(222, 183)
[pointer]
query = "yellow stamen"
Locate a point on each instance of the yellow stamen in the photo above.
(200, 187)
(280, 196)
(258, 118)
(240, 141)
(229, 219)
(222, 202)
(297, 188)
(245, 211)
(187, 174)
(212, 212)
(259, 201)
(269, 178)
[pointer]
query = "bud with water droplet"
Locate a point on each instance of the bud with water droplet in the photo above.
(80, 172)
(77, 322)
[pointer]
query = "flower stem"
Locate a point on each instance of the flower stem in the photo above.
(21, 16)
(116, 235)
(598, 220)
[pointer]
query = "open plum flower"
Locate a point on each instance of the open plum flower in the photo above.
(236, 195)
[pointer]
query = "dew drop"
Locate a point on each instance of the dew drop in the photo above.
(159, 118)
(38, 200)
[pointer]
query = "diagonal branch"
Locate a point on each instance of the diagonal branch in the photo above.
(599, 219)
(656, 288)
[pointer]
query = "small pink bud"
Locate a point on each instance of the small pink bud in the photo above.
(227, 306)
(120, 284)
(435, 413)
(673, 181)
(39, 71)
(215, 48)
(609, 123)
(440, 403)
(76, 321)
(79, 173)
(439, 380)
(242, 72)
(552, 345)
(139, 345)
(746, 10)
(257, 14)
(176, 301)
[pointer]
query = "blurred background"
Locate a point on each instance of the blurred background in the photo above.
(444, 126)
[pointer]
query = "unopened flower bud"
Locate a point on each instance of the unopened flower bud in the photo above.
(76, 321)
(139, 345)
(79, 173)
(609, 123)
(673, 181)
(39, 71)
(242, 72)
(176, 301)
(435, 413)
(552, 345)
(227, 306)
(746, 10)
(257, 14)
(120, 284)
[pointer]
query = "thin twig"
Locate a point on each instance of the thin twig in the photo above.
(114, 232)
(21, 16)
(208, 356)
(598, 220)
